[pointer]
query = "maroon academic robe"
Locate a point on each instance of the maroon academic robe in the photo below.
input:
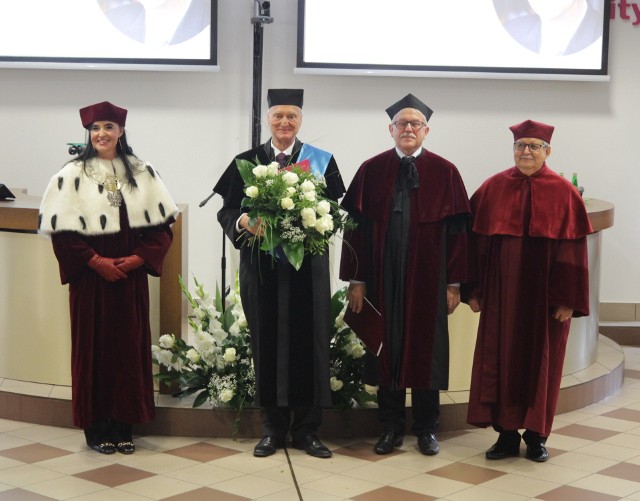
(111, 367)
(529, 238)
(436, 255)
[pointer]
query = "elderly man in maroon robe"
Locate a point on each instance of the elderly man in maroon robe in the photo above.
(408, 256)
(529, 233)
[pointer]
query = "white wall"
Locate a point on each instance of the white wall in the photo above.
(190, 125)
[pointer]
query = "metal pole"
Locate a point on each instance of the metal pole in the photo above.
(262, 16)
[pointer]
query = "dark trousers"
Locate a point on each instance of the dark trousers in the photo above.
(108, 430)
(277, 421)
(425, 409)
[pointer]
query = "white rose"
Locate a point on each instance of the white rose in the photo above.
(242, 321)
(252, 191)
(167, 341)
(323, 207)
(273, 168)
(193, 356)
(307, 186)
(226, 395)
(230, 355)
(357, 351)
(310, 195)
(290, 178)
(324, 224)
(291, 191)
(260, 170)
(308, 216)
(336, 384)
(287, 203)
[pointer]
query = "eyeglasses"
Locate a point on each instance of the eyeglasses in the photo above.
(415, 124)
(532, 146)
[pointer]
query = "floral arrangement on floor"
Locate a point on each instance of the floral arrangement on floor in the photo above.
(294, 213)
(217, 367)
(346, 360)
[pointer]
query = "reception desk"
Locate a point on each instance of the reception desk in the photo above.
(583, 335)
(35, 340)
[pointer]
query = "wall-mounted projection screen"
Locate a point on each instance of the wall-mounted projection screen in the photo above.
(109, 34)
(565, 39)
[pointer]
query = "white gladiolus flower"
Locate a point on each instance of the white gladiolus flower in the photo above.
(229, 355)
(335, 383)
(260, 171)
(226, 395)
(242, 321)
(178, 365)
(371, 390)
(252, 191)
(323, 207)
(290, 178)
(307, 186)
(167, 341)
(234, 329)
(164, 357)
(340, 320)
(287, 204)
(193, 356)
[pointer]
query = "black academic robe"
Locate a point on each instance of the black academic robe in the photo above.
(434, 250)
(529, 236)
(288, 311)
(111, 366)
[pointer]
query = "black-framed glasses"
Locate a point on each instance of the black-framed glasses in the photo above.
(415, 124)
(518, 146)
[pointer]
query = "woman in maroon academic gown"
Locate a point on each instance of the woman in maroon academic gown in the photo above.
(530, 227)
(108, 215)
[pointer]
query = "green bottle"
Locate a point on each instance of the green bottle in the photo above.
(574, 180)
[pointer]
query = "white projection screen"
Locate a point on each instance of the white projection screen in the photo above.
(109, 34)
(563, 39)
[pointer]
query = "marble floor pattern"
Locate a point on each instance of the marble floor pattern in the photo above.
(595, 456)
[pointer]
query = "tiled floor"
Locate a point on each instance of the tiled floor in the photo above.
(595, 455)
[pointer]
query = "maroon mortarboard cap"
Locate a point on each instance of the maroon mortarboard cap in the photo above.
(409, 101)
(103, 111)
(292, 97)
(529, 128)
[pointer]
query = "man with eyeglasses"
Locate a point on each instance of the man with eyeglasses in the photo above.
(529, 241)
(408, 257)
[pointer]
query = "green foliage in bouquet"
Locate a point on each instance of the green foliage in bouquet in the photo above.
(292, 209)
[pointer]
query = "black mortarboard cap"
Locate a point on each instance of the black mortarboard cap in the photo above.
(277, 97)
(409, 101)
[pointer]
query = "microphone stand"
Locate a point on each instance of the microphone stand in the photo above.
(262, 16)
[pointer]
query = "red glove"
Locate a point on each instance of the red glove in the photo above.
(106, 268)
(129, 263)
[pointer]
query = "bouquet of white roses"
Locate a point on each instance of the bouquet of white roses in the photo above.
(346, 360)
(218, 365)
(292, 209)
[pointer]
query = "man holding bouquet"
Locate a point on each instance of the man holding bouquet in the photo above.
(288, 310)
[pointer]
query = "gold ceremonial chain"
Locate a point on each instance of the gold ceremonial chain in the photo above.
(111, 183)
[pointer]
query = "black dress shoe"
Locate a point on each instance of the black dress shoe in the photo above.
(387, 442)
(537, 452)
(104, 448)
(312, 445)
(267, 447)
(127, 447)
(503, 449)
(428, 444)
